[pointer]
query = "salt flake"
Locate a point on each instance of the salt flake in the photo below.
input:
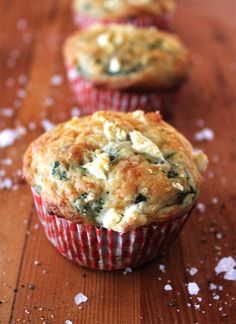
(6, 112)
(127, 270)
(193, 271)
(8, 136)
(162, 268)
(205, 134)
(6, 183)
(212, 286)
(47, 125)
(225, 265)
(56, 79)
(80, 298)
(168, 287)
(201, 207)
(193, 288)
(230, 275)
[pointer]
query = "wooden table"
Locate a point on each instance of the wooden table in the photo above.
(37, 285)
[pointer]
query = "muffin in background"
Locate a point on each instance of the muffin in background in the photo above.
(113, 190)
(124, 68)
(158, 13)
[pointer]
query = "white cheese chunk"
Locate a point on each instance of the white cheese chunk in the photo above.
(114, 65)
(99, 166)
(178, 186)
(113, 133)
(143, 144)
(111, 218)
(135, 212)
(102, 40)
(139, 114)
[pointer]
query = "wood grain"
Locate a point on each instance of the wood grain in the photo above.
(37, 285)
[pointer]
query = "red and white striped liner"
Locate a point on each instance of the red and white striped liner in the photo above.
(104, 249)
(162, 22)
(92, 98)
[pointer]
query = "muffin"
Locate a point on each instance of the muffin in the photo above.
(140, 13)
(124, 68)
(113, 190)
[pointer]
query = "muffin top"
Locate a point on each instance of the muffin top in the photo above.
(116, 170)
(124, 56)
(117, 9)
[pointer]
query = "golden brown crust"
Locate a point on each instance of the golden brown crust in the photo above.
(116, 170)
(123, 56)
(123, 9)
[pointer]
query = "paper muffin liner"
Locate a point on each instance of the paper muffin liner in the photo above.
(162, 21)
(103, 249)
(91, 98)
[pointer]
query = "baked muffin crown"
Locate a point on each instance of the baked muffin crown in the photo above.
(124, 56)
(118, 9)
(115, 170)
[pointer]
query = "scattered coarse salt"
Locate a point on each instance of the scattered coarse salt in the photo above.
(80, 298)
(219, 236)
(230, 275)
(205, 134)
(6, 183)
(75, 112)
(8, 136)
(72, 74)
(225, 265)
(212, 286)
(47, 125)
(21, 24)
(201, 207)
(56, 80)
(127, 270)
(49, 101)
(193, 271)
(193, 288)
(215, 200)
(216, 297)
(21, 93)
(7, 112)
(162, 267)
(168, 287)
(22, 79)
(68, 322)
(32, 125)
(37, 262)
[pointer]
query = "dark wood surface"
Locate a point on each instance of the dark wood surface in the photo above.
(31, 36)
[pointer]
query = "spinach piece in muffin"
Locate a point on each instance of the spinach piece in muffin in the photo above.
(59, 171)
(88, 208)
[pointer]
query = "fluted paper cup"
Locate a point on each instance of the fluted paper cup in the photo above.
(103, 249)
(92, 98)
(161, 22)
